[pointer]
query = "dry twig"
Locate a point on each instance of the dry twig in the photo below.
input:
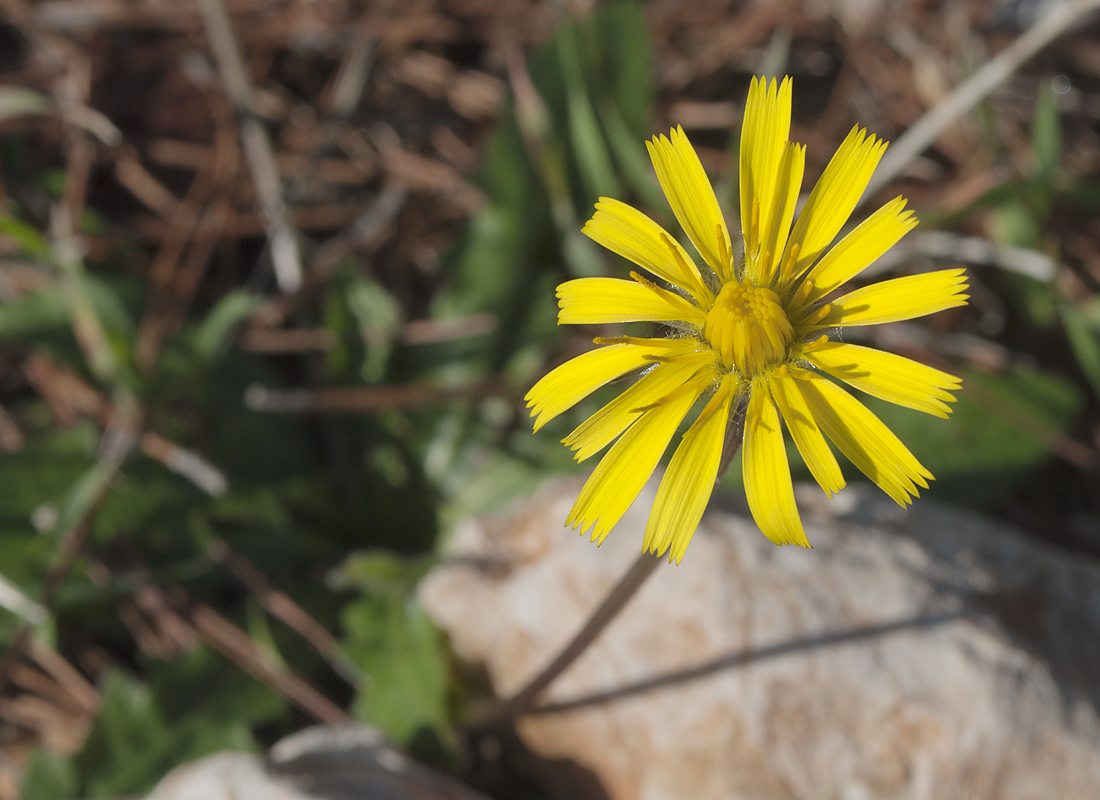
(1047, 28)
(364, 399)
(281, 606)
(257, 146)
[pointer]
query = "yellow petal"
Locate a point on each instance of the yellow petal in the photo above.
(834, 197)
(805, 432)
(898, 299)
(634, 236)
(863, 438)
(623, 472)
(592, 301)
(599, 430)
(776, 218)
(767, 474)
(566, 385)
(692, 199)
(860, 248)
(765, 131)
(887, 376)
(688, 482)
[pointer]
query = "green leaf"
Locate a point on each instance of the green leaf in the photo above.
(38, 475)
(35, 313)
(1091, 313)
(15, 101)
(143, 499)
(390, 639)
(130, 742)
(487, 264)
(501, 477)
(1014, 221)
(1082, 194)
(214, 701)
(589, 147)
(1084, 340)
(631, 156)
(194, 706)
(29, 239)
(625, 65)
(1046, 134)
(49, 309)
(106, 299)
(49, 776)
(82, 495)
(210, 336)
(379, 572)
(378, 316)
(395, 644)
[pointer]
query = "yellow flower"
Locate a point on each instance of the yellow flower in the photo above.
(750, 332)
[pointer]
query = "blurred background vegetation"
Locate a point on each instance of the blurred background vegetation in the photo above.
(225, 466)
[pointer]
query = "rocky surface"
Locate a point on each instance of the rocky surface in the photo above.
(911, 654)
(321, 763)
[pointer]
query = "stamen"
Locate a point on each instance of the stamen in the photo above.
(788, 265)
(638, 340)
(818, 315)
(672, 298)
(753, 240)
(723, 250)
(686, 386)
(803, 292)
(764, 265)
(672, 248)
(816, 344)
(687, 270)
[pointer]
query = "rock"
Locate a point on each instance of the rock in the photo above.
(320, 763)
(911, 654)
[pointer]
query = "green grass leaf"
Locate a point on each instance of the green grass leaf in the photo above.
(1046, 135)
(1084, 340)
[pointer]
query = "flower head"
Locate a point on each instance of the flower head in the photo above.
(749, 334)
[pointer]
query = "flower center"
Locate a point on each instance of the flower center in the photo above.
(748, 327)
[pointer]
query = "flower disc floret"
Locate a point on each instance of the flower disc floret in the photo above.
(748, 328)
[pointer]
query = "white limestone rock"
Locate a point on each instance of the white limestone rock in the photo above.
(321, 763)
(911, 654)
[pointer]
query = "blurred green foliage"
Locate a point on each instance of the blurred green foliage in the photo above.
(396, 646)
(341, 512)
(344, 513)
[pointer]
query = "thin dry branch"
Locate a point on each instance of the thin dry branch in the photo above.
(281, 606)
(153, 194)
(364, 399)
(174, 276)
(238, 647)
(909, 145)
(969, 249)
(259, 153)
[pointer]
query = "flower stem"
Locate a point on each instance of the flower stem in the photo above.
(523, 700)
(735, 433)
